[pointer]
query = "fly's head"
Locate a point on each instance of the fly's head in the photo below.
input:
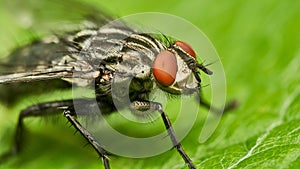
(176, 69)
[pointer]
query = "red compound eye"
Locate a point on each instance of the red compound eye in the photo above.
(186, 47)
(165, 68)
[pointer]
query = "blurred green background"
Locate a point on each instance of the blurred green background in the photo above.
(259, 45)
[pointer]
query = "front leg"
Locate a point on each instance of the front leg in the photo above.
(218, 111)
(229, 106)
(148, 105)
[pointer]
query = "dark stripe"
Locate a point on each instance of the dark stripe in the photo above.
(152, 39)
(139, 42)
(81, 39)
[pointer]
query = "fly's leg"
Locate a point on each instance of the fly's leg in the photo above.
(71, 116)
(147, 105)
(229, 106)
(38, 110)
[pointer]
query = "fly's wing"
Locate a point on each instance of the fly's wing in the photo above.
(33, 62)
(49, 58)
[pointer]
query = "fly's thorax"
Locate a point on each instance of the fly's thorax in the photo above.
(135, 65)
(132, 77)
(128, 67)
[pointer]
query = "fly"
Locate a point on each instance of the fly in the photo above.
(107, 58)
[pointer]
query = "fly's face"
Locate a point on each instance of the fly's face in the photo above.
(176, 69)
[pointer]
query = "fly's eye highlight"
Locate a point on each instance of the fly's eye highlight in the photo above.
(186, 47)
(165, 68)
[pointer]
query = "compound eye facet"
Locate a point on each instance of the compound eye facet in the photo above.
(186, 47)
(165, 68)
